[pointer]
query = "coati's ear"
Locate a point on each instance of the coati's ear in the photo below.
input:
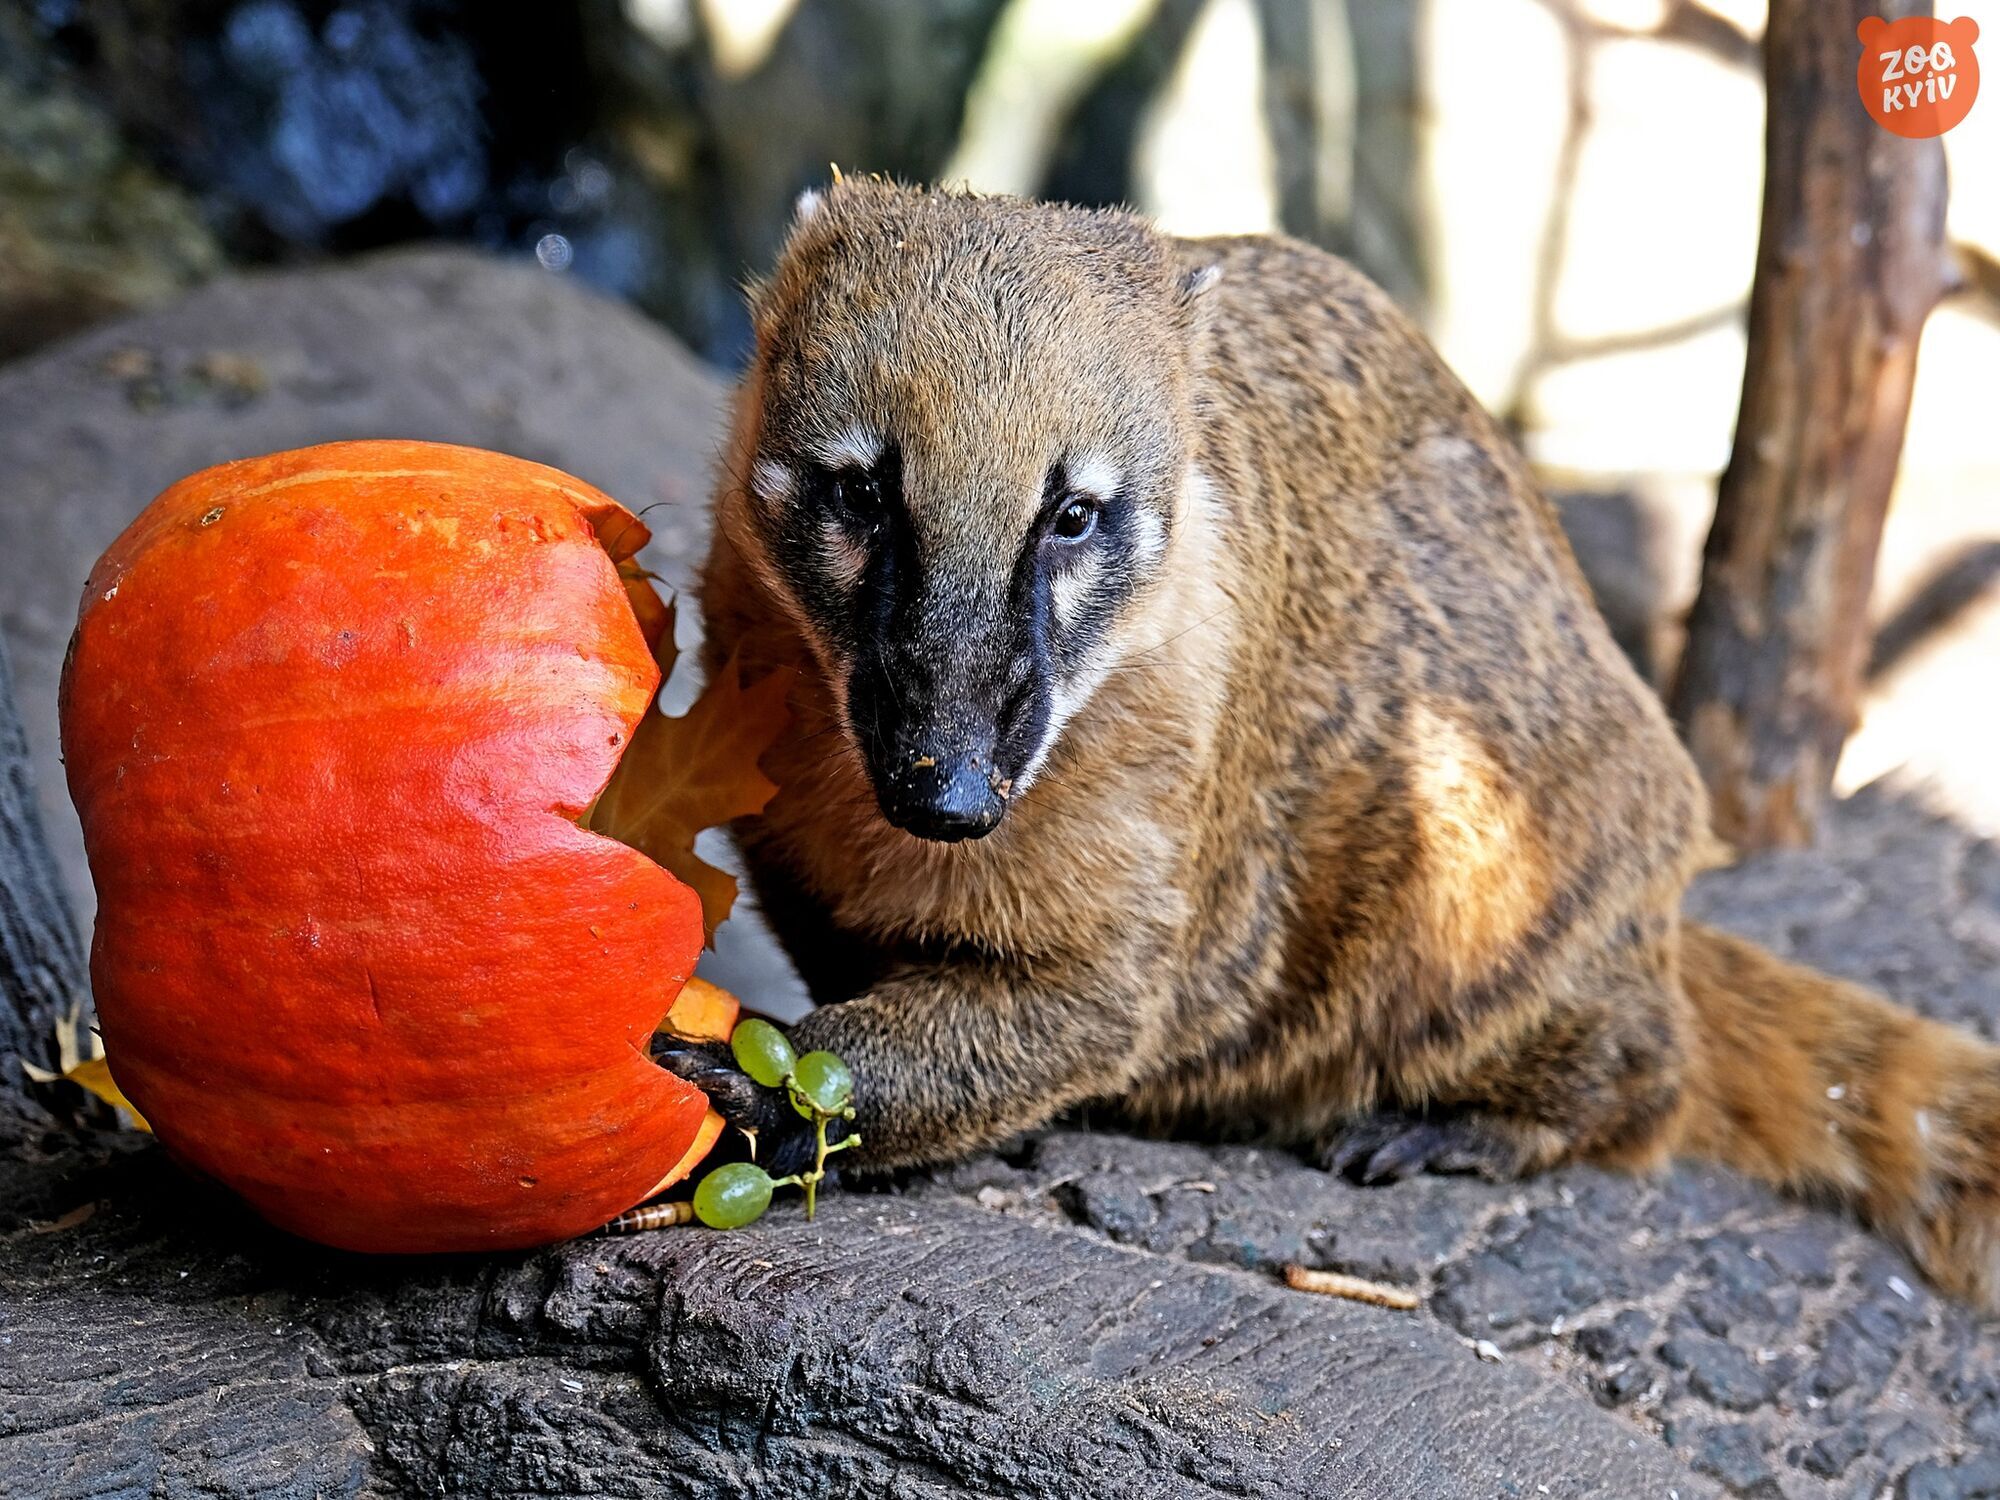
(1192, 302)
(1198, 283)
(807, 207)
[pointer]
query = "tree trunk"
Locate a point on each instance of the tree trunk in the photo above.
(41, 961)
(1851, 260)
(1097, 144)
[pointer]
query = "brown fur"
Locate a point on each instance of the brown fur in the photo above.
(1368, 823)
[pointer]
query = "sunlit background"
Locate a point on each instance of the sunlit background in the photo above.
(1564, 192)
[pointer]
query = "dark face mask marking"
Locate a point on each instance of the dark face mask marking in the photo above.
(950, 680)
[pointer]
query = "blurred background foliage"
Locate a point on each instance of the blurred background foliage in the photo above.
(1564, 192)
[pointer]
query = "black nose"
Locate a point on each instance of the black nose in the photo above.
(946, 799)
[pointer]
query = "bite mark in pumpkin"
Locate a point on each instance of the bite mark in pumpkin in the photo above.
(683, 774)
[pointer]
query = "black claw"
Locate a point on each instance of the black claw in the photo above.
(739, 1100)
(1352, 1153)
(1378, 1149)
(1463, 1160)
(1349, 1153)
(711, 1067)
(785, 1139)
(1402, 1156)
(689, 1058)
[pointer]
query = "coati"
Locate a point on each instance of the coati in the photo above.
(1200, 711)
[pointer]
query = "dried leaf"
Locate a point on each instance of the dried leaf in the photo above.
(94, 1075)
(702, 1012)
(681, 775)
(622, 535)
(70, 1220)
(656, 616)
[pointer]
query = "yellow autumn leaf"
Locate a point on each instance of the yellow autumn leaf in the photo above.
(94, 1075)
(702, 1012)
(682, 775)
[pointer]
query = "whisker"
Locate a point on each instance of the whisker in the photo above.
(1208, 619)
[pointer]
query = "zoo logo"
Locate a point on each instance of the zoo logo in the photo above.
(1918, 76)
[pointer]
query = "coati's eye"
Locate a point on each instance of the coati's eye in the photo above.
(858, 492)
(1075, 520)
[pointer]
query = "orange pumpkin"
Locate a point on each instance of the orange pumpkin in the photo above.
(331, 718)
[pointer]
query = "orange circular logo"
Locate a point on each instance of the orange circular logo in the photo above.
(1918, 76)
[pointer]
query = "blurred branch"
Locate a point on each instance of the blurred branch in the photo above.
(1977, 280)
(1850, 261)
(1341, 110)
(1561, 349)
(1544, 338)
(1293, 114)
(1093, 157)
(1958, 584)
(1686, 21)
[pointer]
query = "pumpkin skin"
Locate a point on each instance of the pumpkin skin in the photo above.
(330, 718)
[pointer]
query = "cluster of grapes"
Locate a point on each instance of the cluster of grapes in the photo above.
(821, 1089)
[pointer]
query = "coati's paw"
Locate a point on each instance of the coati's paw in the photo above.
(1382, 1148)
(785, 1142)
(732, 1093)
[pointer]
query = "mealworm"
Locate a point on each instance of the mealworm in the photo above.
(1353, 1288)
(650, 1216)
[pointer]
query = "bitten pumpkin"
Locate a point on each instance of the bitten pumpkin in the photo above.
(331, 718)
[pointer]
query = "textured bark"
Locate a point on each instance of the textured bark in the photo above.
(1094, 153)
(41, 961)
(1850, 262)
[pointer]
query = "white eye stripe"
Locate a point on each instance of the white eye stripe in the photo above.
(1071, 588)
(1093, 474)
(771, 481)
(1063, 704)
(1067, 699)
(856, 447)
(1149, 536)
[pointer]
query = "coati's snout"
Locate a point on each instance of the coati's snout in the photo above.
(946, 801)
(946, 740)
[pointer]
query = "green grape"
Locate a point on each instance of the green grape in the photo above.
(825, 1081)
(762, 1051)
(733, 1195)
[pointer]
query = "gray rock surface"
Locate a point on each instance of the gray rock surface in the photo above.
(446, 345)
(918, 1347)
(41, 961)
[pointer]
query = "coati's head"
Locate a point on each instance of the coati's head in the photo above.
(960, 462)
